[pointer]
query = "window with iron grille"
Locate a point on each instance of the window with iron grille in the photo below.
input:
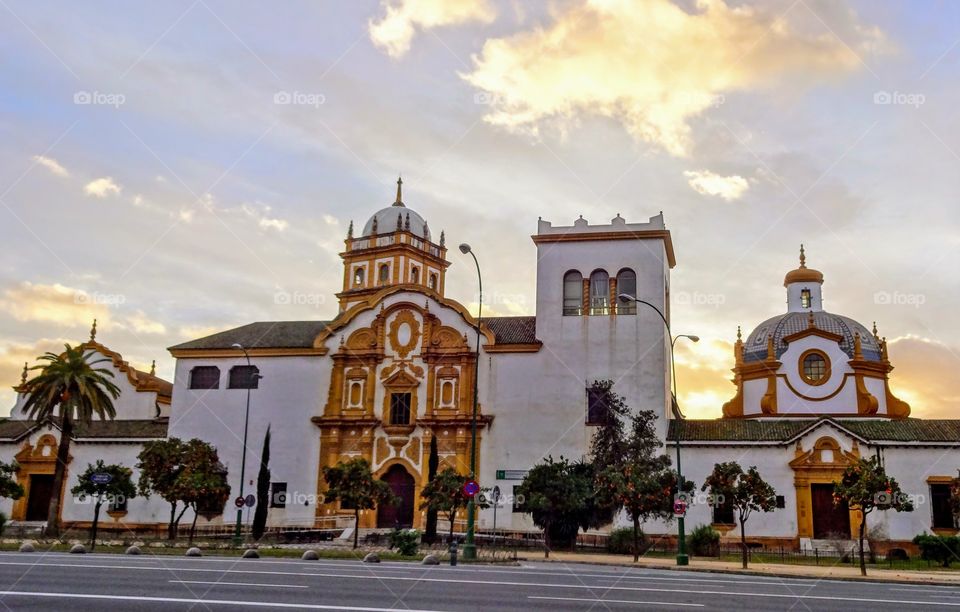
(205, 377)
(400, 408)
(940, 503)
(597, 409)
(244, 377)
(572, 293)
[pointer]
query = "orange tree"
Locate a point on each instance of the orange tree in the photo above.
(444, 493)
(746, 492)
(104, 483)
(866, 487)
(352, 484)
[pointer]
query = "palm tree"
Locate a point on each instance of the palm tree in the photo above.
(72, 382)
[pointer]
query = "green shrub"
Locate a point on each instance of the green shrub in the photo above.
(704, 541)
(406, 541)
(620, 541)
(941, 549)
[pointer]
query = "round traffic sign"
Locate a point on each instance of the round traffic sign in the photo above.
(250, 501)
(238, 502)
(471, 488)
(679, 508)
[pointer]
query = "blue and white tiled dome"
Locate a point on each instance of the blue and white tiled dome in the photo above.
(755, 346)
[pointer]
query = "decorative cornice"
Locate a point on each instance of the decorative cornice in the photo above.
(624, 235)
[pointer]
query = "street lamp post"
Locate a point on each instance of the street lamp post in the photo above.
(237, 540)
(470, 547)
(682, 558)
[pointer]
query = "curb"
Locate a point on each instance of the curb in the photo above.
(748, 572)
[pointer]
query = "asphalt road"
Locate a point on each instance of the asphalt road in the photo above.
(41, 581)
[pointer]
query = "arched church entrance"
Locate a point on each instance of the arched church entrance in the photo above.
(403, 486)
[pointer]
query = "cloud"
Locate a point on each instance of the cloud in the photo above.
(925, 376)
(55, 304)
(12, 358)
(140, 323)
(708, 183)
(651, 65)
(52, 165)
(102, 187)
(394, 31)
(274, 224)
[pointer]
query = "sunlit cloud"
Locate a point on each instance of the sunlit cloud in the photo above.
(102, 187)
(12, 358)
(54, 303)
(52, 165)
(632, 60)
(925, 376)
(708, 183)
(140, 323)
(395, 30)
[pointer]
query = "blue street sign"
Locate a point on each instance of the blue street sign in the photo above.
(100, 478)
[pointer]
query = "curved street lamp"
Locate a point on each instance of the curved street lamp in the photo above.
(237, 539)
(470, 547)
(682, 558)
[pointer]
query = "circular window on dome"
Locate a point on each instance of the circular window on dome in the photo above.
(814, 367)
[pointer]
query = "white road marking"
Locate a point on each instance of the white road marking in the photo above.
(215, 602)
(256, 584)
(626, 601)
(381, 578)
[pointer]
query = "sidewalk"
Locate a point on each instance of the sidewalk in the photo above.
(826, 571)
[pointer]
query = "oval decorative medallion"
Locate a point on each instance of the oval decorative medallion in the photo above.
(404, 333)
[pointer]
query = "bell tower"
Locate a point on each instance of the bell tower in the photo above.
(394, 248)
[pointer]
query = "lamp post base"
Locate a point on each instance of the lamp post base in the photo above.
(683, 560)
(237, 540)
(469, 551)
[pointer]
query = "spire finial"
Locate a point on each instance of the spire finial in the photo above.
(153, 368)
(810, 322)
(23, 376)
(739, 334)
(443, 238)
(93, 331)
(399, 201)
(875, 330)
(399, 221)
(350, 230)
(857, 346)
(803, 257)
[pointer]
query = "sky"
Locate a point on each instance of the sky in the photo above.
(178, 168)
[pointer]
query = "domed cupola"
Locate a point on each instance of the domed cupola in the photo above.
(395, 248)
(809, 362)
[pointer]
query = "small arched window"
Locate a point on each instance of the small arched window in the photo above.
(433, 282)
(358, 277)
(205, 377)
(599, 293)
(415, 275)
(384, 274)
(626, 285)
(572, 294)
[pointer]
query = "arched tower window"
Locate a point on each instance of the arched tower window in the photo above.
(572, 293)
(433, 282)
(626, 284)
(415, 275)
(599, 293)
(384, 274)
(358, 275)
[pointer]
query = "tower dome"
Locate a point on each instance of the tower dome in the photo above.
(397, 217)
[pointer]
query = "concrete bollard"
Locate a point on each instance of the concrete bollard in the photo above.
(453, 553)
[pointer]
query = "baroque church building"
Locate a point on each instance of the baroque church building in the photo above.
(390, 378)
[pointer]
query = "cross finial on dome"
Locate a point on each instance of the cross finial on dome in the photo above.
(399, 201)
(803, 257)
(93, 331)
(153, 368)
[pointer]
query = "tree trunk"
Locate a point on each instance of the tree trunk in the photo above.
(173, 518)
(193, 525)
(743, 542)
(176, 523)
(59, 474)
(453, 516)
(96, 519)
(636, 539)
(863, 526)
(356, 527)
(546, 540)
